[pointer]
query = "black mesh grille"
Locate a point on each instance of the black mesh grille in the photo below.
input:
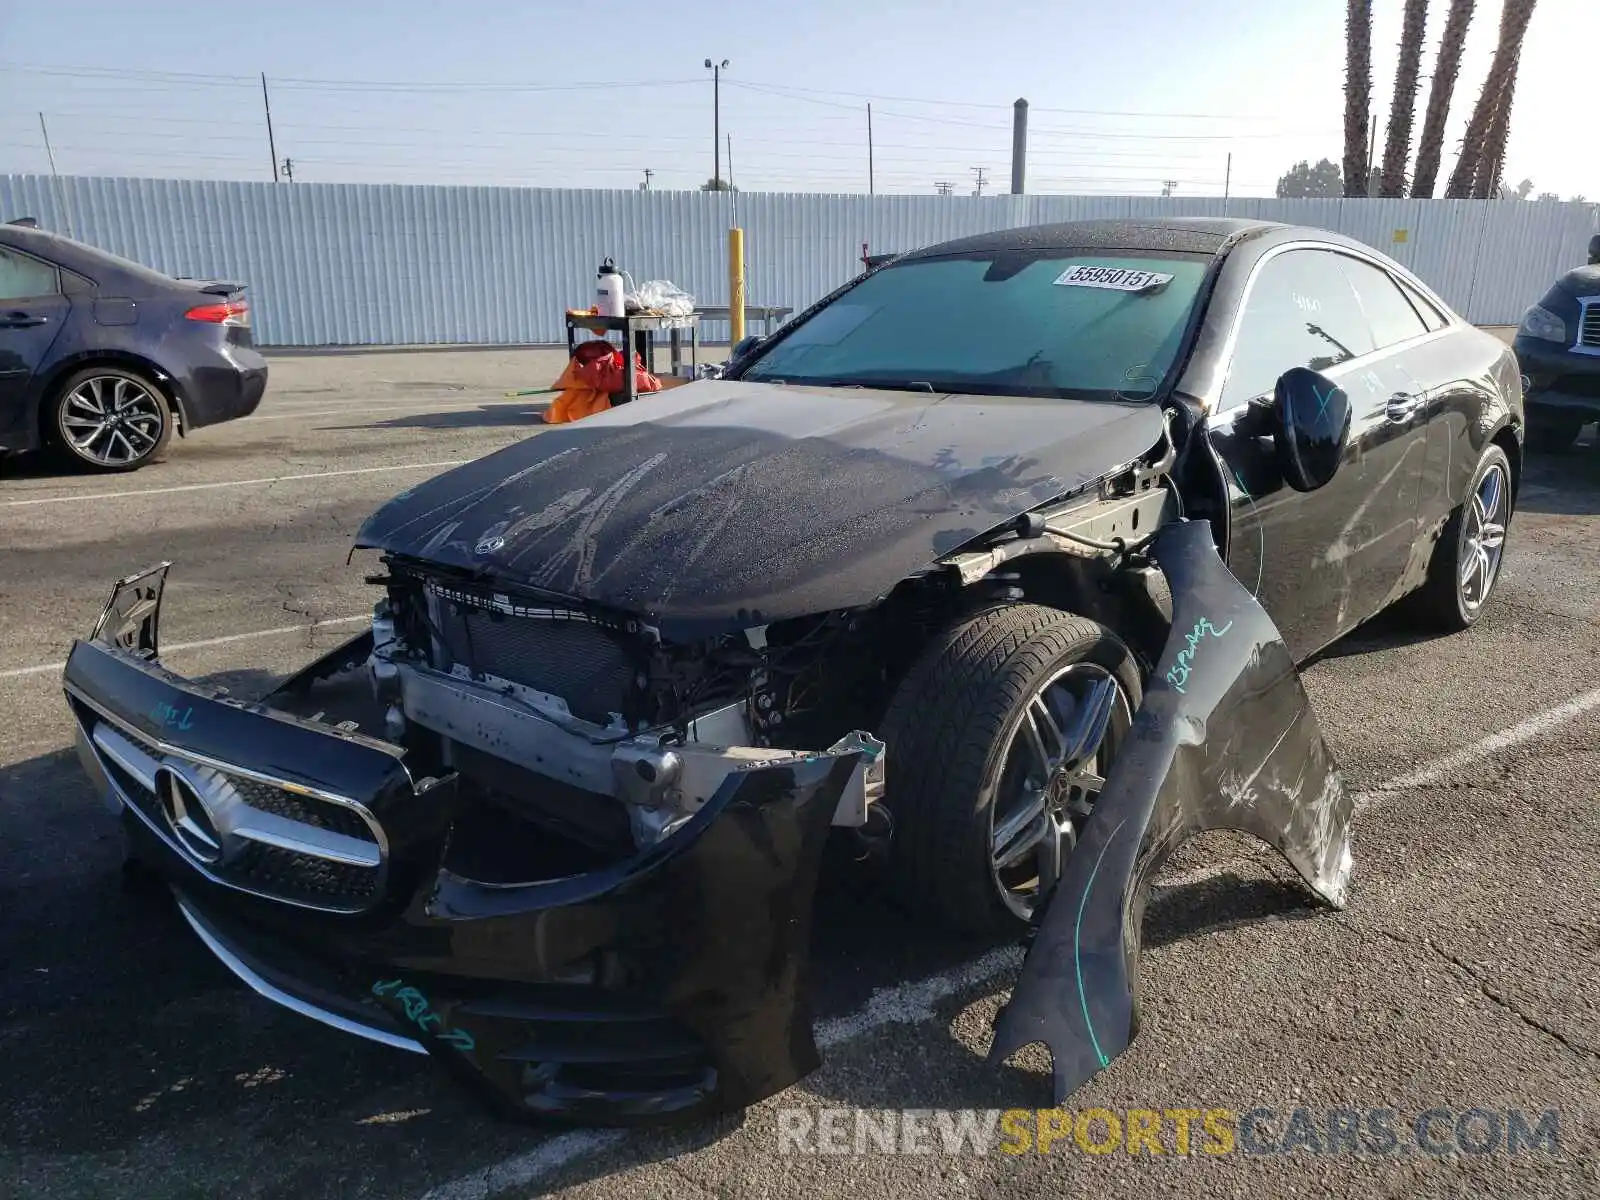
(562, 654)
(302, 878)
(335, 818)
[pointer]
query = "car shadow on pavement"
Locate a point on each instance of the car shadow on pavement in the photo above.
(490, 416)
(1566, 484)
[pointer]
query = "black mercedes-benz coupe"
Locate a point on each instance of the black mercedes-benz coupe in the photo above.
(999, 560)
(101, 359)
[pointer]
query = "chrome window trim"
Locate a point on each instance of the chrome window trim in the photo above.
(1230, 345)
(278, 996)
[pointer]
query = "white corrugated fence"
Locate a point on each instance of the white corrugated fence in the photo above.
(390, 264)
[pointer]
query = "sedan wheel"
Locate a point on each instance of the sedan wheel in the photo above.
(1055, 766)
(999, 740)
(111, 420)
(1467, 556)
(1483, 536)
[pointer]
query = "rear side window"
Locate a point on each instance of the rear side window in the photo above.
(24, 278)
(1388, 312)
(1431, 316)
(1300, 312)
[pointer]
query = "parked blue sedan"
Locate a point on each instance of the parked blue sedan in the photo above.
(101, 359)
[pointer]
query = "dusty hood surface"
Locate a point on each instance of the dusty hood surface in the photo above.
(723, 504)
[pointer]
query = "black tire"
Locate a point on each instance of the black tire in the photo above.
(947, 732)
(144, 436)
(1554, 433)
(1443, 602)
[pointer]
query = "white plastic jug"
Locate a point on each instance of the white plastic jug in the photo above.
(608, 291)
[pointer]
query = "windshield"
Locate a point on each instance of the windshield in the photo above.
(1093, 325)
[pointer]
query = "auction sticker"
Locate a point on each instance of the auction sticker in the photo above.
(1118, 279)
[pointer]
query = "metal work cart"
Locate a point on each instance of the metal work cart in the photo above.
(639, 334)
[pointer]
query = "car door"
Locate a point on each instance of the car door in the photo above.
(1320, 562)
(32, 312)
(1408, 381)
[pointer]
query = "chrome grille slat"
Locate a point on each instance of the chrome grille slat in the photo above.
(1589, 324)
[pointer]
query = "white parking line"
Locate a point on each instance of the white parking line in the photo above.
(230, 483)
(401, 407)
(912, 1002)
(46, 668)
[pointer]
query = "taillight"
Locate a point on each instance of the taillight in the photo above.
(231, 312)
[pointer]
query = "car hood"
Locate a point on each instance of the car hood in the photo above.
(724, 504)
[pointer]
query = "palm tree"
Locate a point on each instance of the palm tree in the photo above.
(1357, 94)
(1430, 149)
(1492, 115)
(1397, 147)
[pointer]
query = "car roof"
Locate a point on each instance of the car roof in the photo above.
(1192, 235)
(100, 265)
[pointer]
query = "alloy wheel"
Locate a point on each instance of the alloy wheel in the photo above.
(112, 420)
(1054, 767)
(1483, 537)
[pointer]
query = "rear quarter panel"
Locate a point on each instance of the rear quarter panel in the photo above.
(1474, 393)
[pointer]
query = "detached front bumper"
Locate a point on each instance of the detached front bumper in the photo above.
(308, 858)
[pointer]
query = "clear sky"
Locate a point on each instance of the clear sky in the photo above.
(1124, 94)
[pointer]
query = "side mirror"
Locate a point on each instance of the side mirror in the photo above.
(1312, 428)
(745, 345)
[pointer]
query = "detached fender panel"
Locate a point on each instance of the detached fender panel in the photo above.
(1225, 739)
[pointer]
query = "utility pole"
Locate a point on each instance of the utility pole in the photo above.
(872, 187)
(1227, 176)
(55, 179)
(288, 168)
(979, 172)
(272, 146)
(48, 153)
(716, 70)
(1019, 145)
(1170, 186)
(943, 187)
(645, 187)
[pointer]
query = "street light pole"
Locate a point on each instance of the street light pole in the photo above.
(716, 70)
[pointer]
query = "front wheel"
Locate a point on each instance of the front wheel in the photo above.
(108, 419)
(998, 743)
(1466, 558)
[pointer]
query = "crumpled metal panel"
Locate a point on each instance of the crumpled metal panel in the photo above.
(1225, 739)
(391, 264)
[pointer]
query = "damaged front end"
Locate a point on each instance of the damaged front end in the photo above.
(575, 862)
(360, 856)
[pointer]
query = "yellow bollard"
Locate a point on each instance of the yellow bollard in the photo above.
(735, 285)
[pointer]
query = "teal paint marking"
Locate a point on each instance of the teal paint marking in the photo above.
(420, 1013)
(169, 717)
(1322, 401)
(1178, 673)
(1077, 956)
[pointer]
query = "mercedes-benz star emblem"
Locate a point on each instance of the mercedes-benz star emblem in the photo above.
(188, 817)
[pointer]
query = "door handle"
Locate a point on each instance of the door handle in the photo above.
(20, 320)
(1402, 406)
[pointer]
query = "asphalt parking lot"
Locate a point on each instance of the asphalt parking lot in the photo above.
(1464, 973)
